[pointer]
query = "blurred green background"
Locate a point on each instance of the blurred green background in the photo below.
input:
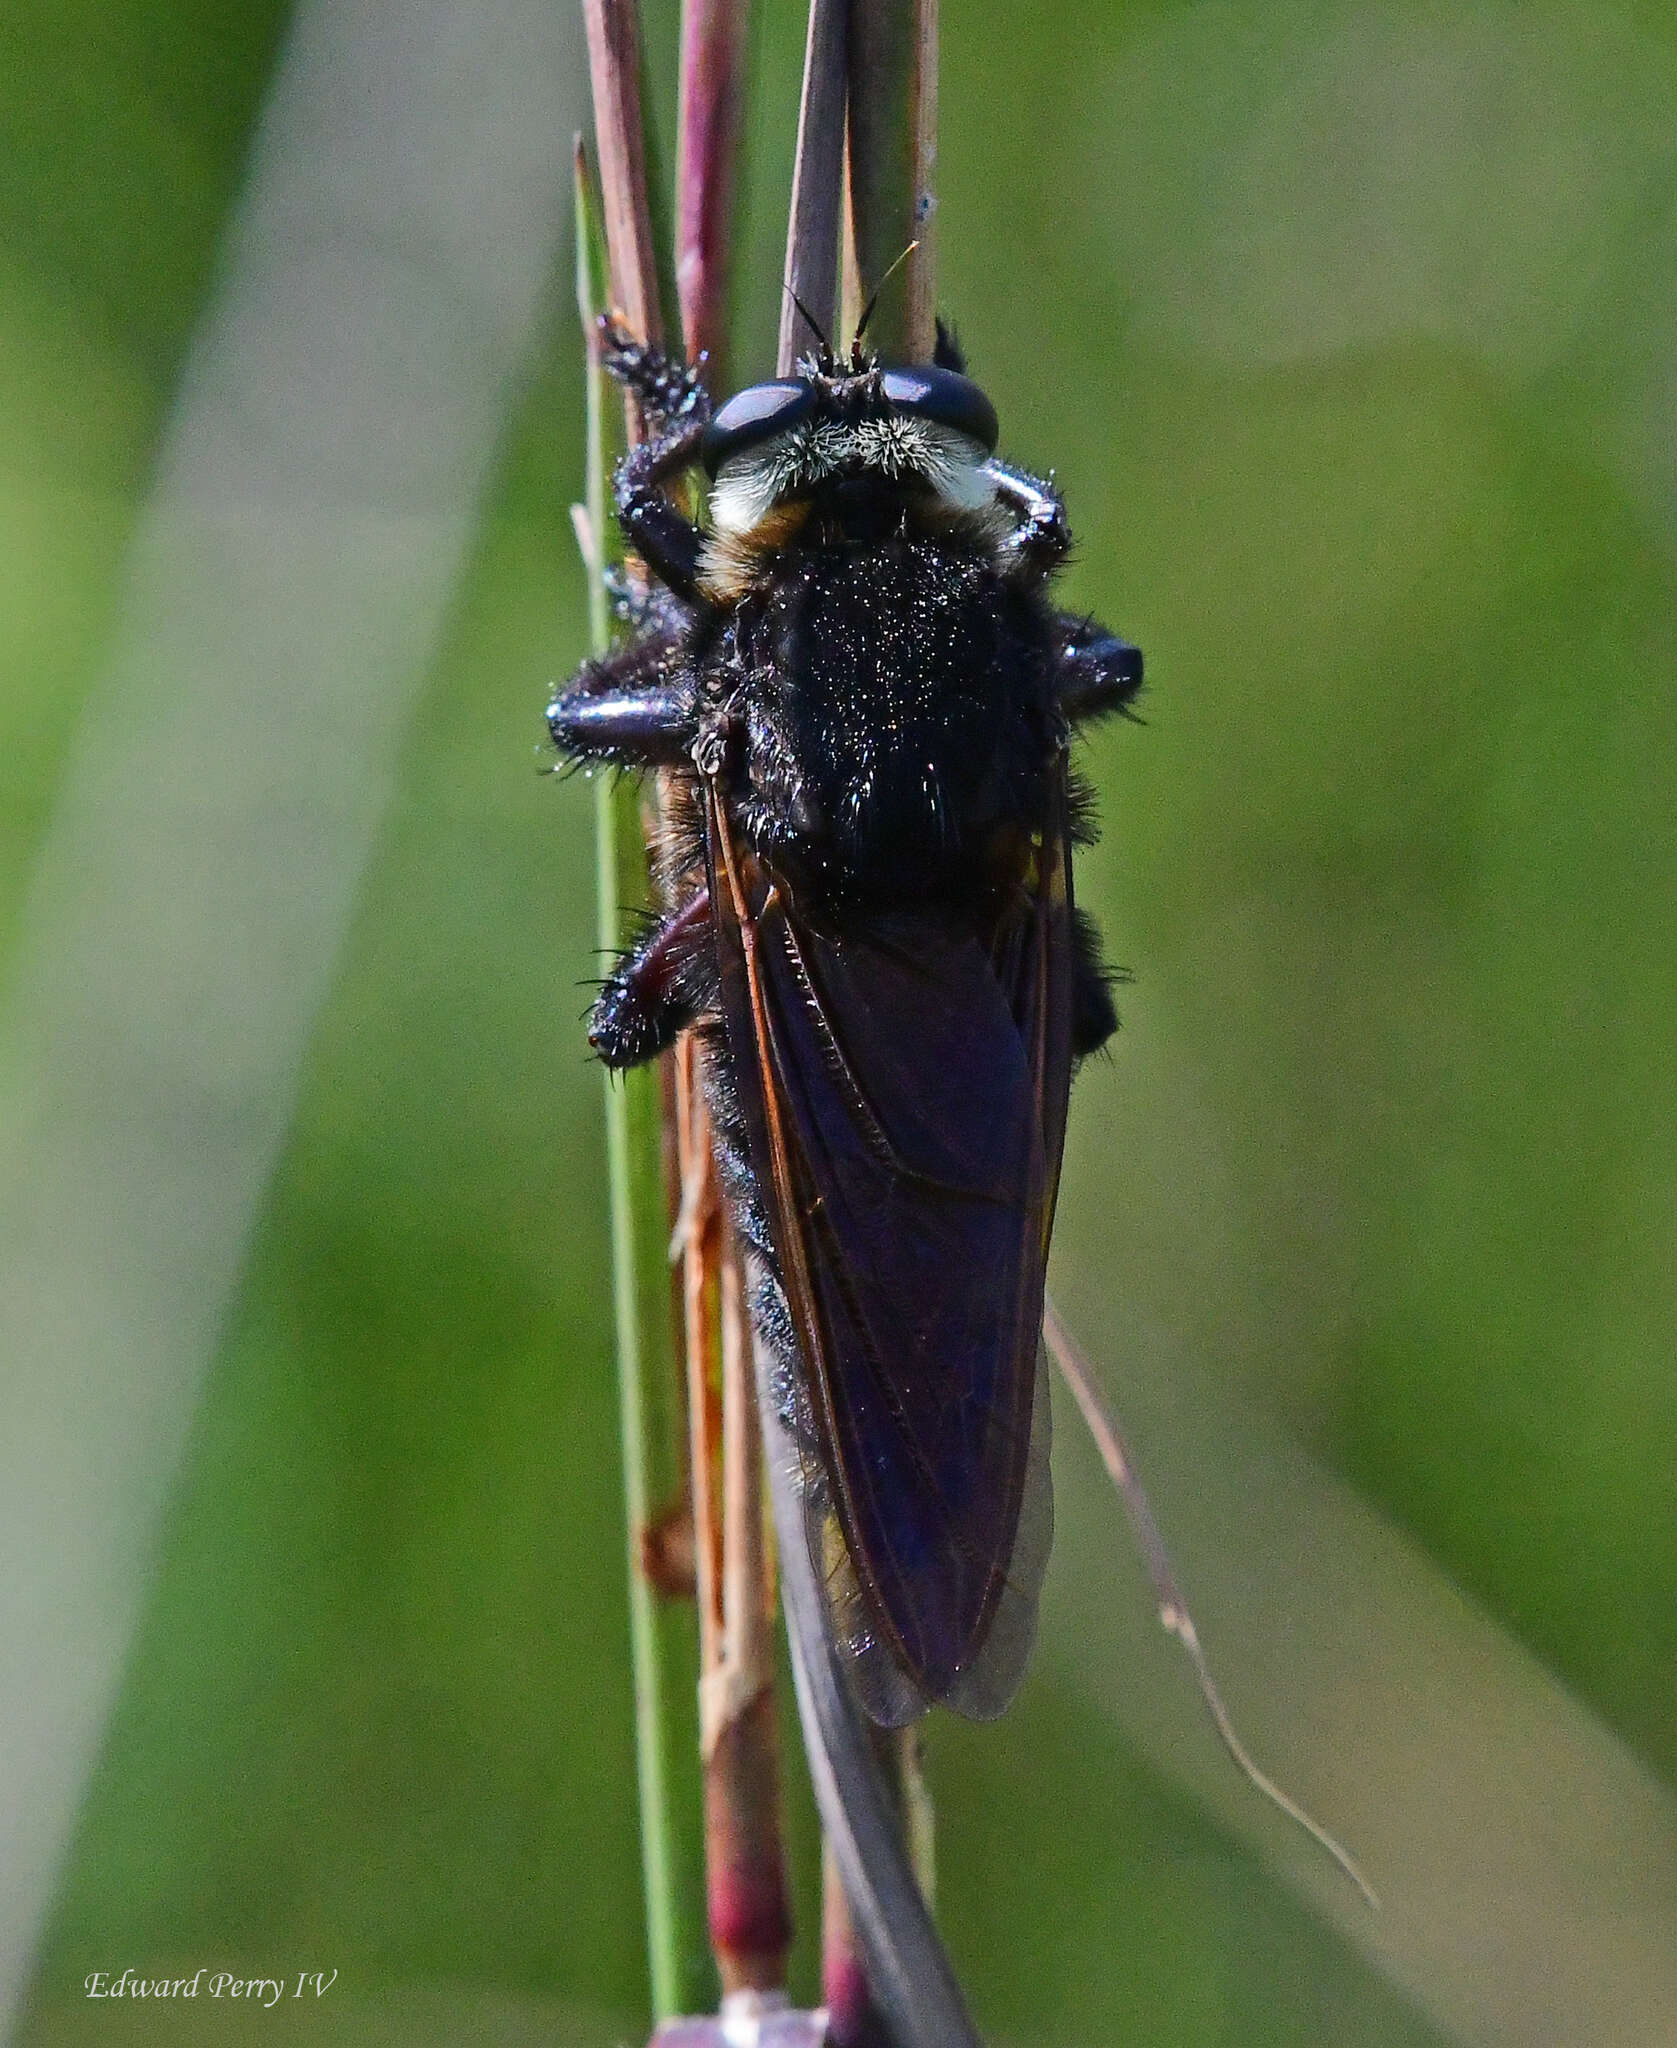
(1349, 333)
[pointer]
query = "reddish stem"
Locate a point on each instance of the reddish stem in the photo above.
(707, 149)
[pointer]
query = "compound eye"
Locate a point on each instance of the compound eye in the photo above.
(928, 393)
(761, 412)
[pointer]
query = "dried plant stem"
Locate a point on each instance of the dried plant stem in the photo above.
(812, 240)
(1174, 1617)
(614, 65)
(892, 159)
(697, 1244)
(748, 1911)
(616, 239)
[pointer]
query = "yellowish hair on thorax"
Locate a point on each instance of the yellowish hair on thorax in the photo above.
(730, 559)
(758, 481)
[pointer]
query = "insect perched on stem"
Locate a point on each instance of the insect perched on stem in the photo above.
(863, 698)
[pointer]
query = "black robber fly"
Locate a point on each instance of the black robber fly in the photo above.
(863, 697)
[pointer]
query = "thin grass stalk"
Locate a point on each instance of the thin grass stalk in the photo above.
(812, 239)
(614, 265)
(891, 165)
(1080, 1376)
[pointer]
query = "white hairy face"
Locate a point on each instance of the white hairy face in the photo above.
(754, 482)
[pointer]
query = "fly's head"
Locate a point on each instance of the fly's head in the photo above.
(843, 455)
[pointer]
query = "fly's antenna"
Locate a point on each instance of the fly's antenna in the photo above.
(813, 325)
(1174, 1617)
(873, 301)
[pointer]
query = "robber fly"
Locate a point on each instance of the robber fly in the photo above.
(863, 697)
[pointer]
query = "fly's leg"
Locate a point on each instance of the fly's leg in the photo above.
(671, 391)
(1095, 672)
(1041, 540)
(1093, 1018)
(633, 709)
(650, 996)
(947, 351)
(646, 607)
(666, 541)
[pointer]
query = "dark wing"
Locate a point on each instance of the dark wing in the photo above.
(904, 1089)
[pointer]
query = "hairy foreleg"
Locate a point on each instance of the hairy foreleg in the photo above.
(670, 390)
(646, 607)
(664, 538)
(633, 709)
(678, 406)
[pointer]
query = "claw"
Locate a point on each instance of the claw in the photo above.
(667, 387)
